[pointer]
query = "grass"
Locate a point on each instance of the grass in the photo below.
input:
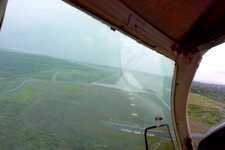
(206, 116)
(82, 76)
(203, 101)
(212, 91)
(112, 79)
(8, 84)
(69, 116)
(205, 111)
(57, 115)
(70, 113)
(45, 75)
(21, 64)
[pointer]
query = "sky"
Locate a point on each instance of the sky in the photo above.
(55, 29)
(212, 66)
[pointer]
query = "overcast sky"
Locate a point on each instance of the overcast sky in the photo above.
(56, 29)
(53, 28)
(212, 67)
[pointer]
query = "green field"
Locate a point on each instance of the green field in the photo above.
(53, 116)
(204, 115)
(49, 103)
(8, 83)
(80, 76)
(212, 91)
(206, 111)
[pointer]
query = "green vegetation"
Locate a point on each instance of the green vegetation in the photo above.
(206, 103)
(112, 79)
(64, 113)
(8, 84)
(58, 108)
(64, 116)
(18, 67)
(206, 108)
(82, 76)
(212, 91)
(203, 101)
(206, 116)
(21, 64)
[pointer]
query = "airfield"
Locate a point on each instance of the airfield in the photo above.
(66, 108)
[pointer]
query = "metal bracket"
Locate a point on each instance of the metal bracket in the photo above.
(132, 20)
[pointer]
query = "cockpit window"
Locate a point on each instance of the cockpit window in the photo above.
(67, 81)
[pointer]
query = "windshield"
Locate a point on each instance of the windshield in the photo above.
(67, 81)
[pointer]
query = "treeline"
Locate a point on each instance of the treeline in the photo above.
(18, 64)
(212, 91)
